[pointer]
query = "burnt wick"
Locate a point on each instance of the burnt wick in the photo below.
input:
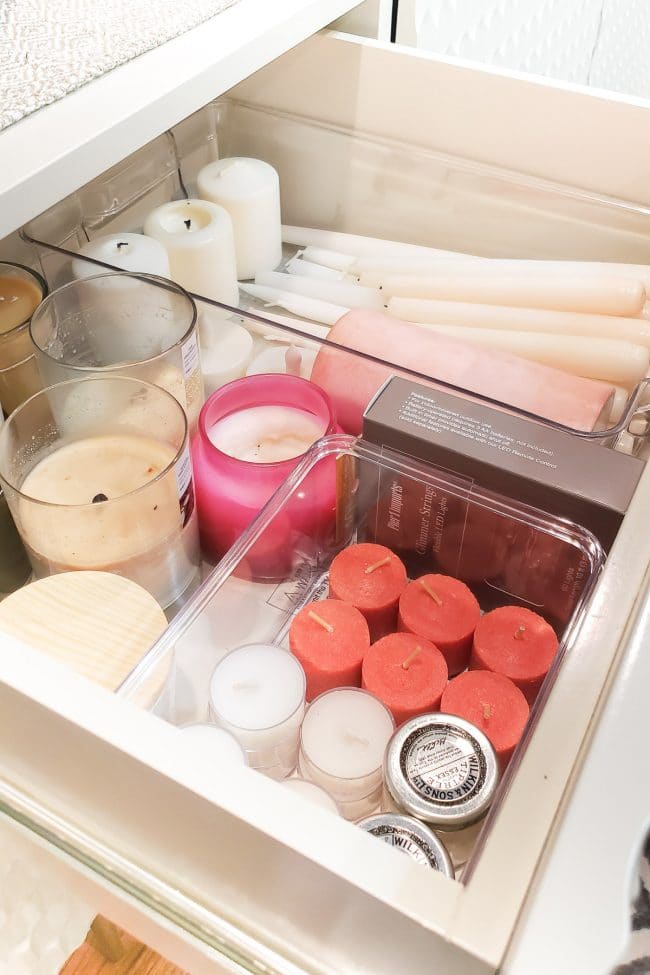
(188, 223)
(99, 497)
(122, 243)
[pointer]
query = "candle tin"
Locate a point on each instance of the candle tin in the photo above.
(442, 770)
(410, 837)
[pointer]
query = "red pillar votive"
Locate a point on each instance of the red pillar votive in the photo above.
(492, 703)
(443, 610)
(515, 642)
(372, 578)
(407, 673)
(329, 638)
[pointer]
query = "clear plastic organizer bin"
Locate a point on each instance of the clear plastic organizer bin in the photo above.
(335, 178)
(507, 554)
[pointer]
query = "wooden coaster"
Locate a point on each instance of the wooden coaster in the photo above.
(98, 623)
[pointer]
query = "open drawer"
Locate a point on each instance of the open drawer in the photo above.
(233, 862)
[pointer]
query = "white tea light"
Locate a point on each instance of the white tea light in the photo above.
(129, 252)
(342, 743)
(198, 238)
(312, 793)
(257, 692)
(289, 359)
(249, 189)
(216, 744)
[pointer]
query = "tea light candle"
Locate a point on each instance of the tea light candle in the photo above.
(492, 703)
(216, 744)
(329, 638)
(443, 610)
(257, 693)
(518, 643)
(342, 742)
(312, 793)
(198, 238)
(225, 354)
(442, 770)
(407, 673)
(249, 189)
(372, 578)
(266, 434)
(290, 359)
(129, 252)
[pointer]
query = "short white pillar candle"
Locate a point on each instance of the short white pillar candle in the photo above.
(257, 692)
(290, 359)
(217, 744)
(342, 744)
(249, 189)
(198, 238)
(129, 252)
(226, 350)
(312, 793)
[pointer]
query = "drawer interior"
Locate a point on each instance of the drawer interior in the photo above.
(335, 175)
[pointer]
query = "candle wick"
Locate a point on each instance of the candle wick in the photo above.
(519, 634)
(352, 736)
(434, 595)
(188, 223)
(411, 657)
(377, 565)
(321, 622)
(122, 243)
(487, 710)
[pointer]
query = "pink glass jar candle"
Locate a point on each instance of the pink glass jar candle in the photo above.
(252, 433)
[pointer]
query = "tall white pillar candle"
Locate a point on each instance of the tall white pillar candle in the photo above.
(345, 293)
(342, 743)
(604, 359)
(198, 238)
(257, 692)
(597, 295)
(502, 317)
(129, 252)
(249, 189)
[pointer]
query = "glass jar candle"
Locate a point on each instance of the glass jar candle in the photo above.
(21, 291)
(410, 837)
(15, 569)
(123, 324)
(252, 433)
(442, 770)
(97, 475)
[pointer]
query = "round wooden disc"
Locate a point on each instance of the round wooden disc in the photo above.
(98, 623)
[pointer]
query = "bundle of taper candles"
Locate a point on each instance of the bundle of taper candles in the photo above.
(381, 653)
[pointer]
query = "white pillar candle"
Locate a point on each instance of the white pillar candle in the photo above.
(325, 312)
(359, 246)
(520, 319)
(344, 293)
(605, 359)
(129, 252)
(289, 359)
(226, 356)
(266, 434)
(216, 744)
(249, 189)
(589, 293)
(306, 269)
(198, 238)
(342, 744)
(257, 693)
(312, 793)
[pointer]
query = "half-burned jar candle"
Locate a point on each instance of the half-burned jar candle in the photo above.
(411, 837)
(442, 770)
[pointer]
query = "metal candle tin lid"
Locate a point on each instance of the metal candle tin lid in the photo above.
(441, 769)
(410, 837)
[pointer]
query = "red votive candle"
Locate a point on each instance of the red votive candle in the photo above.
(372, 578)
(407, 673)
(443, 610)
(329, 638)
(515, 642)
(492, 703)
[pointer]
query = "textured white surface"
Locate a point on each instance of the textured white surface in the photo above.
(42, 921)
(602, 43)
(49, 49)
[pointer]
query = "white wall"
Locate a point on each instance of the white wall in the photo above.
(604, 43)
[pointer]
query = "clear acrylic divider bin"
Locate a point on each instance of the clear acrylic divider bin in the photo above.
(336, 178)
(508, 554)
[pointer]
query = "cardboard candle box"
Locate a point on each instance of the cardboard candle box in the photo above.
(489, 458)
